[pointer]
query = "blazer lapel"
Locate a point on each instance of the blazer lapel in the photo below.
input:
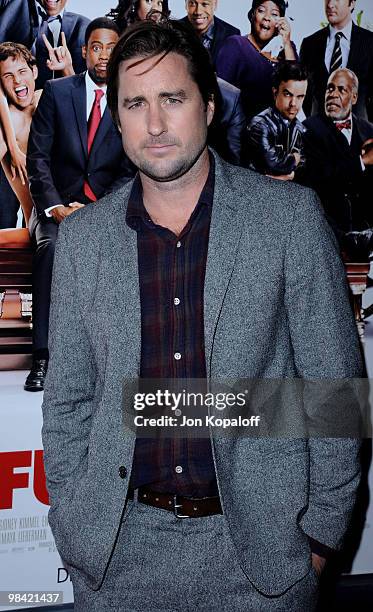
(320, 52)
(225, 232)
(354, 57)
(339, 138)
(67, 25)
(80, 107)
(122, 249)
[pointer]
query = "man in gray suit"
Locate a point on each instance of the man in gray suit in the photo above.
(197, 269)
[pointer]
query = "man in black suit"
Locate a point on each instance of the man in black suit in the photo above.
(212, 30)
(25, 21)
(75, 156)
(342, 44)
(339, 164)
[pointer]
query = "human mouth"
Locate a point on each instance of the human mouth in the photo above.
(199, 20)
(159, 149)
(21, 92)
(332, 105)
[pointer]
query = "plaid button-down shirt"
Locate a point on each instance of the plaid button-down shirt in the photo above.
(172, 273)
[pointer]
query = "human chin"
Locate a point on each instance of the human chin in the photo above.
(166, 169)
(98, 76)
(52, 7)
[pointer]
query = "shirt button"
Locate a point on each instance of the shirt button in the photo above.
(176, 301)
(178, 469)
(177, 412)
(177, 356)
(178, 244)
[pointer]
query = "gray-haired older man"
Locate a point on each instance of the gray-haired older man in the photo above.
(339, 165)
(164, 279)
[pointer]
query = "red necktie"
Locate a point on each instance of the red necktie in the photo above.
(343, 125)
(93, 123)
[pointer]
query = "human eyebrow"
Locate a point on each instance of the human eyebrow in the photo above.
(174, 94)
(135, 100)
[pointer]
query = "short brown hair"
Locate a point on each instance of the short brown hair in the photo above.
(16, 50)
(147, 39)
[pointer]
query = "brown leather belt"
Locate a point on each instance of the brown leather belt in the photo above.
(182, 507)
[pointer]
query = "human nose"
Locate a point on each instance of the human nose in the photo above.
(156, 120)
(104, 55)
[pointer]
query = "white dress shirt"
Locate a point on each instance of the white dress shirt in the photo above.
(348, 135)
(345, 45)
(90, 87)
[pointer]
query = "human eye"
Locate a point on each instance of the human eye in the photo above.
(172, 101)
(96, 48)
(135, 105)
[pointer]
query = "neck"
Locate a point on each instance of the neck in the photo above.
(343, 24)
(28, 110)
(257, 43)
(170, 204)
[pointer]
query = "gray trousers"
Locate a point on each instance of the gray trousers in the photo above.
(162, 564)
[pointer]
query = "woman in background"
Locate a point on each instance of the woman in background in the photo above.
(248, 61)
(129, 11)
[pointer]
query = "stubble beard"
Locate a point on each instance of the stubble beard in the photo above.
(167, 171)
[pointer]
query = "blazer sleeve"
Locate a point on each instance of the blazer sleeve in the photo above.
(40, 145)
(67, 407)
(323, 330)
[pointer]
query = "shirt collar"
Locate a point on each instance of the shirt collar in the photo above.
(287, 122)
(136, 211)
(210, 32)
(347, 31)
(92, 86)
(349, 118)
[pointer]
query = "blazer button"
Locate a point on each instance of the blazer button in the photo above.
(122, 471)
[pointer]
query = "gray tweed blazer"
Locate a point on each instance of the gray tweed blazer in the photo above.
(276, 306)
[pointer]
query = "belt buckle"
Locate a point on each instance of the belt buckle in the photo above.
(176, 506)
